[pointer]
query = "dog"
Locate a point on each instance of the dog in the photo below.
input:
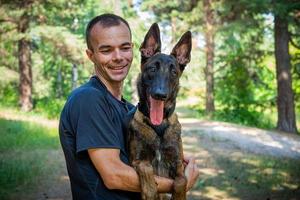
(154, 140)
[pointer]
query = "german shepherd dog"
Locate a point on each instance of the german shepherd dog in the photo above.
(154, 132)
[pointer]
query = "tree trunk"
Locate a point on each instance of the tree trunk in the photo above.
(134, 94)
(74, 76)
(59, 87)
(117, 7)
(285, 99)
(209, 50)
(173, 27)
(25, 85)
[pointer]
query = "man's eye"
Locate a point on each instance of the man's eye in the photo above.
(105, 51)
(126, 48)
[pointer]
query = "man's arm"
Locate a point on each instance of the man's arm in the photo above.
(118, 175)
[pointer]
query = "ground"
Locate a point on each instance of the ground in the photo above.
(235, 162)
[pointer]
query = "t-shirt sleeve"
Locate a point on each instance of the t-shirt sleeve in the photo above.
(95, 126)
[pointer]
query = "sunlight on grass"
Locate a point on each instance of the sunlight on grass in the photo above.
(26, 135)
(251, 162)
(32, 117)
(210, 171)
(216, 193)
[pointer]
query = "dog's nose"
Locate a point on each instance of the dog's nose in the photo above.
(160, 94)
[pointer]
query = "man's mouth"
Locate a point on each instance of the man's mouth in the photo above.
(117, 67)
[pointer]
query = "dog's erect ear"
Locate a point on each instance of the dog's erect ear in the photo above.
(151, 44)
(182, 50)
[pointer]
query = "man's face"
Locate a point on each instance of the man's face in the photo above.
(112, 52)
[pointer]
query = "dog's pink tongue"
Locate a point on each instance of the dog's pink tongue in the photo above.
(156, 111)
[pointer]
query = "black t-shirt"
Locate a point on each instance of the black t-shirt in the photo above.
(93, 118)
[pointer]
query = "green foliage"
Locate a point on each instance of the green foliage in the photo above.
(8, 94)
(173, 14)
(8, 87)
(50, 107)
(59, 51)
(246, 117)
(244, 68)
(244, 77)
(249, 117)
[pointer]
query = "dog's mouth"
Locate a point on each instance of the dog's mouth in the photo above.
(156, 111)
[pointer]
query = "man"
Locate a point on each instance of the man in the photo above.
(92, 124)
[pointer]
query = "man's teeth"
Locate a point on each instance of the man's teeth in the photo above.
(116, 68)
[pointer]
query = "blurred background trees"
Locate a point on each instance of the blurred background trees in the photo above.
(245, 64)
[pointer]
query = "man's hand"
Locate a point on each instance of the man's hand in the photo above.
(191, 171)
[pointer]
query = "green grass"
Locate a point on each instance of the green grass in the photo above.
(254, 117)
(23, 152)
(25, 136)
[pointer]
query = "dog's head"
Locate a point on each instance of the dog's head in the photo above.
(160, 73)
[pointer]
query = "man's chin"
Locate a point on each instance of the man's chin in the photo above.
(118, 75)
(118, 78)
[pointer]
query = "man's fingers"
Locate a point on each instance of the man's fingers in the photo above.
(186, 158)
(192, 161)
(191, 171)
(193, 174)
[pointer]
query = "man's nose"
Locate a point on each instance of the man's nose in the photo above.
(117, 55)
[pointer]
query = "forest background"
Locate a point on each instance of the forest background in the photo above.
(244, 69)
(245, 64)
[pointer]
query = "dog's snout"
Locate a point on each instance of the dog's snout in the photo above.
(160, 94)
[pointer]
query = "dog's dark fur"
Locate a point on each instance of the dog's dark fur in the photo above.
(156, 148)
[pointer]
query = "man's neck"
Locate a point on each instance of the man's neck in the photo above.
(115, 88)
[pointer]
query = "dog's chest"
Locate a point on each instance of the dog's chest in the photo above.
(157, 144)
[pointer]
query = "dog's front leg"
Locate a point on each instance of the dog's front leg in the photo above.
(174, 152)
(147, 181)
(140, 138)
(180, 181)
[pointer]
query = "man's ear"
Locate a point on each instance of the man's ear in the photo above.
(182, 50)
(90, 54)
(151, 44)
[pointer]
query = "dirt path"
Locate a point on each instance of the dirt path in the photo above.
(231, 161)
(253, 140)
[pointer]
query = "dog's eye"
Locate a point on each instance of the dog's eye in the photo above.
(173, 72)
(152, 69)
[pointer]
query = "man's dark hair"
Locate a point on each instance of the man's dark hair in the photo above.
(106, 20)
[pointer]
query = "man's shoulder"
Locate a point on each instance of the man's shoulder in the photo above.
(86, 93)
(84, 99)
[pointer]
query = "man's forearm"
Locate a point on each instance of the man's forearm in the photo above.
(164, 185)
(118, 175)
(128, 180)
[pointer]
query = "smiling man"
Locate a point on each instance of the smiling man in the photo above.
(92, 128)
